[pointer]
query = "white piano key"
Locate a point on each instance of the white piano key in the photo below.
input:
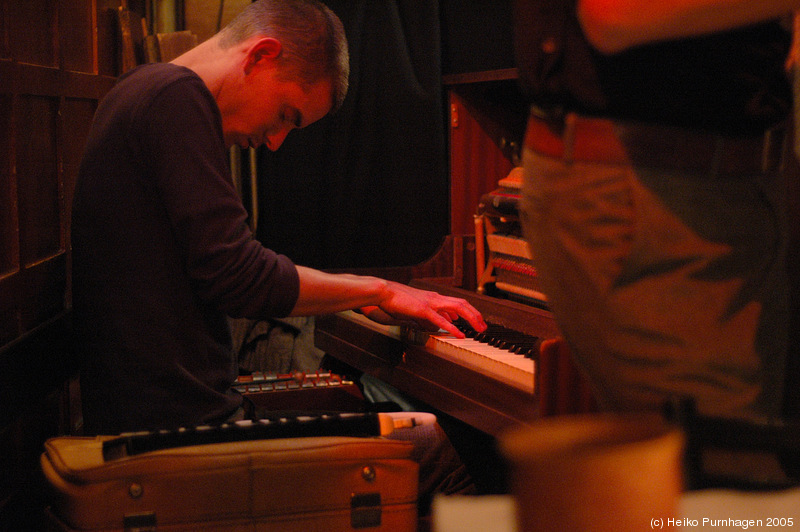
(502, 364)
(514, 369)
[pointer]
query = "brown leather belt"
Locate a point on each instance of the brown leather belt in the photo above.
(597, 140)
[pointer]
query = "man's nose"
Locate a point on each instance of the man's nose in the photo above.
(277, 139)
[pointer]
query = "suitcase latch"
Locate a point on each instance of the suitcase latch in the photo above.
(365, 510)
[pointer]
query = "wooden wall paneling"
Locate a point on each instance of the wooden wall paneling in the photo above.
(39, 196)
(57, 60)
(32, 31)
(8, 191)
(107, 42)
(45, 115)
(76, 23)
(38, 178)
(79, 86)
(9, 311)
(76, 115)
(43, 288)
(9, 229)
(4, 52)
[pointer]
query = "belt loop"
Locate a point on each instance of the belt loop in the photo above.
(717, 157)
(570, 121)
(774, 148)
(766, 151)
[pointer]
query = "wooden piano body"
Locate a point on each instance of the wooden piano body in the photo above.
(483, 401)
(486, 124)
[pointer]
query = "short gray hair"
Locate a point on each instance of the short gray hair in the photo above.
(312, 36)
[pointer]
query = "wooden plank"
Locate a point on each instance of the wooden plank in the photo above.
(171, 45)
(33, 32)
(76, 36)
(131, 50)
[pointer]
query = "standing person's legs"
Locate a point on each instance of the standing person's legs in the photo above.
(664, 283)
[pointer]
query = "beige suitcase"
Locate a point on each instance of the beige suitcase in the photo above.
(324, 483)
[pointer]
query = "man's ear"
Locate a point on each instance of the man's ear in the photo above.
(261, 51)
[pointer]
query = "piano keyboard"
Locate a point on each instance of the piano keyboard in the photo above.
(498, 352)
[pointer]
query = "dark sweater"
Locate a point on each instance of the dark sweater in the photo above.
(162, 253)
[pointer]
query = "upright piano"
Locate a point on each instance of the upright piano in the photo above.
(470, 380)
(473, 381)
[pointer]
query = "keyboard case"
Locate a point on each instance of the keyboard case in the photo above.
(292, 484)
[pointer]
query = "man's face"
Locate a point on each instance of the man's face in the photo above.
(268, 107)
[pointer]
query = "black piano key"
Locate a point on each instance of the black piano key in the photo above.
(502, 338)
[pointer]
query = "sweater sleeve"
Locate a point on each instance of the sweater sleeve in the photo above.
(189, 165)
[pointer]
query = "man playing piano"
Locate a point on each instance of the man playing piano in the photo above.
(162, 252)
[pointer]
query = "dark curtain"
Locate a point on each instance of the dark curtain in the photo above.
(367, 186)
